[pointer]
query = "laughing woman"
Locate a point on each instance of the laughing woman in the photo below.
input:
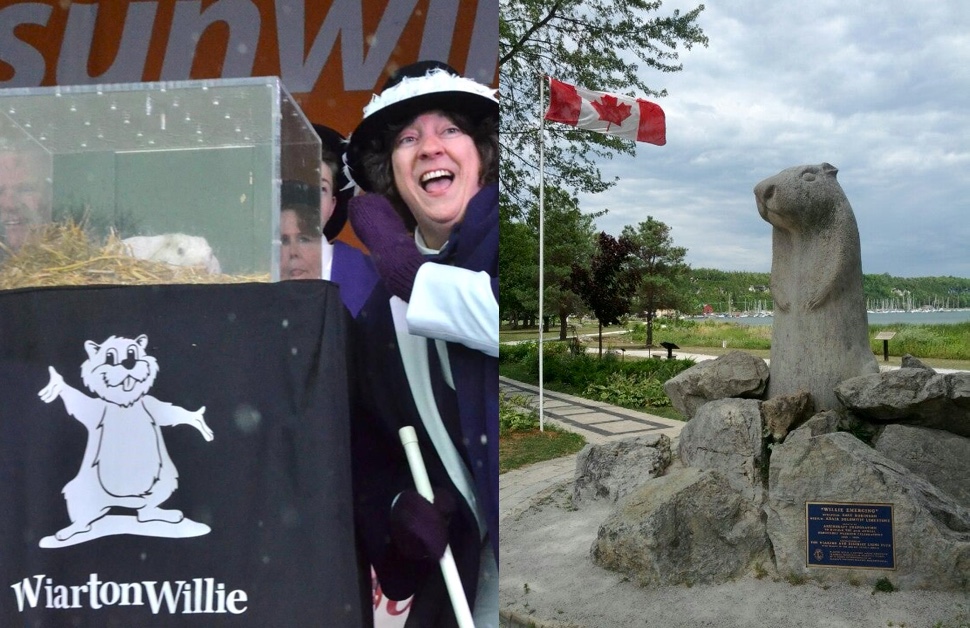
(426, 153)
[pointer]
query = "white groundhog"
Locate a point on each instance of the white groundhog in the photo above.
(125, 461)
(177, 249)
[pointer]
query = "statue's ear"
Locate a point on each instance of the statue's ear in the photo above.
(829, 169)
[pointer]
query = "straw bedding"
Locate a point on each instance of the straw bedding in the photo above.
(64, 254)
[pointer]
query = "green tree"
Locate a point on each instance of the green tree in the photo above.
(730, 291)
(661, 276)
(518, 294)
(569, 235)
(597, 44)
(606, 285)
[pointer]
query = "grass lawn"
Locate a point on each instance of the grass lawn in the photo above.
(520, 441)
(524, 447)
(945, 346)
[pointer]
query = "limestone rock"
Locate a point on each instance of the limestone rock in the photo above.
(786, 412)
(931, 530)
(726, 436)
(734, 374)
(938, 457)
(830, 421)
(909, 362)
(684, 528)
(913, 396)
(826, 422)
(611, 470)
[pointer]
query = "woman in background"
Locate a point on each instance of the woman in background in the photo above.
(307, 240)
(301, 240)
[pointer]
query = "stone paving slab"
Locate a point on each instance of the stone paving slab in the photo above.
(588, 417)
(567, 410)
(626, 428)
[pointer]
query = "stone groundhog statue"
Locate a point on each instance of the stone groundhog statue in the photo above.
(820, 334)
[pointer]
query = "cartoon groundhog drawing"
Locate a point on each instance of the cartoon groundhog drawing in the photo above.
(125, 461)
(820, 334)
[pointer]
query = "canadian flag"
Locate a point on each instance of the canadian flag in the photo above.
(622, 116)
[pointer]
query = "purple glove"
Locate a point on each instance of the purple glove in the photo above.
(392, 248)
(419, 529)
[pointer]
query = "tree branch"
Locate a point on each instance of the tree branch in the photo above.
(514, 48)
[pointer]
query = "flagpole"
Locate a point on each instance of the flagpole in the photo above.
(542, 189)
(647, 125)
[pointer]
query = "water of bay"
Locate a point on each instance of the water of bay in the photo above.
(939, 317)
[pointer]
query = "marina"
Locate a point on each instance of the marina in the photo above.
(919, 317)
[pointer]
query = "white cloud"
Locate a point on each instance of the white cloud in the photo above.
(877, 89)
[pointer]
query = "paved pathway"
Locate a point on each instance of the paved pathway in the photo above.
(598, 422)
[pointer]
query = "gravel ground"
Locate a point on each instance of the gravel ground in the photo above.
(547, 578)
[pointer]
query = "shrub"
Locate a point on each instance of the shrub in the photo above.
(514, 414)
(658, 369)
(625, 389)
(633, 383)
(518, 352)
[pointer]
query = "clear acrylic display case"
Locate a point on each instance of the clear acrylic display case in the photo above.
(202, 158)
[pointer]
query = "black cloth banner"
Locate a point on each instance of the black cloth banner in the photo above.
(176, 456)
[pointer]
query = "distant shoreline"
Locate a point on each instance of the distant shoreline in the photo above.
(924, 317)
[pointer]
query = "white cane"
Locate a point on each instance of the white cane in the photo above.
(448, 568)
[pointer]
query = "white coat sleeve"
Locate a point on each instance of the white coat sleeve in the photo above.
(456, 305)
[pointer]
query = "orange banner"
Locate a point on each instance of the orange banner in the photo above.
(330, 54)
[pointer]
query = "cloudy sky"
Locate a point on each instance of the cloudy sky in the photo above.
(881, 90)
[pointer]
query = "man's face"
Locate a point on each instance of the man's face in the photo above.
(24, 200)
